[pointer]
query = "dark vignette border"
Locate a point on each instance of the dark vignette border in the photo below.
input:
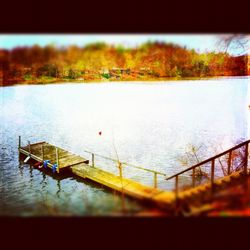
(127, 16)
(124, 233)
(115, 17)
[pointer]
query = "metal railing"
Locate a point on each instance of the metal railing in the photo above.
(229, 152)
(122, 164)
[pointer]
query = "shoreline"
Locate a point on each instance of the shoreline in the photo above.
(100, 81)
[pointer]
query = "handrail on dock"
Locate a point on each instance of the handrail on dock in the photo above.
(127, 164)
(121, 164)
(212, 160)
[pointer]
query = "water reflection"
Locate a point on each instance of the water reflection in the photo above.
(31, 175)
(59, 188)
(20, 167)
(43, 182)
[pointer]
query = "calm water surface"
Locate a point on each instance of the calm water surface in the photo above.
(149, 124)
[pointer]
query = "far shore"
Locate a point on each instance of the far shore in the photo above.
(160, 79)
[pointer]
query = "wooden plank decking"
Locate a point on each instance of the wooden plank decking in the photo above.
(44, 151)
(124, 185)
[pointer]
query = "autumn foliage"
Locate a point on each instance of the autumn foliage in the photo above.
(99, 61)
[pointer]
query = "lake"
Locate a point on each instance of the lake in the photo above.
(149, 124)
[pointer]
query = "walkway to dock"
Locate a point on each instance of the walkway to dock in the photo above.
(206, 177)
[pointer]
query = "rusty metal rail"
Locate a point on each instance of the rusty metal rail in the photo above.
(211, 160)
(121, 165)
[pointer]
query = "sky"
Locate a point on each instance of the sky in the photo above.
(199, 42)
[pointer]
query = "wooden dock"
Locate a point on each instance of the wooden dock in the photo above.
(57, 159)
(43, 151)
(60, 158)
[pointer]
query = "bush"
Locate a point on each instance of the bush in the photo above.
(106, 75)
(47, 70)
(27, 77)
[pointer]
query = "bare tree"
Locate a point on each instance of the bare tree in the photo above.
(240, 43)
(192, 156)
(196, 153)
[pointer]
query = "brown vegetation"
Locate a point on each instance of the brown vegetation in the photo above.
(99, 61)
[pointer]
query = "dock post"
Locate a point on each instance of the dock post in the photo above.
(42, 152)
(120, 169)
(19, 142)
(176, 186)
(246, 185)
(193, 177)
(155, 180)
(229, 163)
(246, 159)
(19, 146)
(212, 176)
(93, 159)
(29, 147)
(57, 160)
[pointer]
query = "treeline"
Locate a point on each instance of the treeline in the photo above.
(152, 60)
